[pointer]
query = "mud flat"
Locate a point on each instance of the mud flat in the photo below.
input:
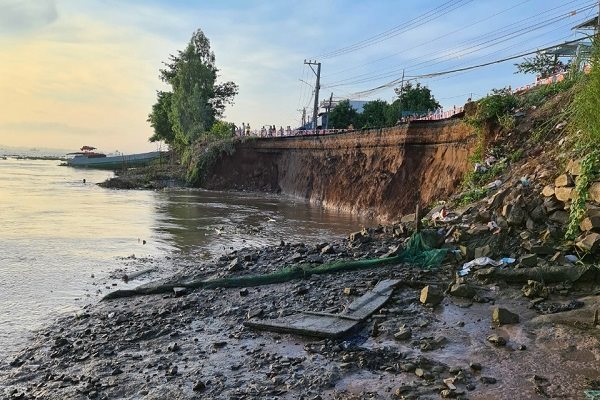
(194, 344)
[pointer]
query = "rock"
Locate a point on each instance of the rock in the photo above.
(498, 198)
(496, 340)
(564, 194)
(551, 204)
(244, 292)
(403, 334)
(475, 366)
(235, 265)
(407, 219)
(199, 386)
(561, 217)
(179, 291)
(548, 191)
(528, 260)
(408, 367)
(595, 192)
(315, 259)
(538, 214)
(467, 252)
(501, 316)
(431, 295)
(535, 289)
(574, 167)
(589, 243)
(462, 290)
(542, 250)
(487, 380)
(483, 251)
(419, 372)
(360, 236)
(329, 249)
(590, 224)
(516, 216)
(348, 291)
(564, 180)
(116, 371)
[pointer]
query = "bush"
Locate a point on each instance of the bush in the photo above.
(493, 108)
(585, 122)
(204, 156)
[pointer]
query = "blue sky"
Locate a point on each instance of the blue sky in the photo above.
(86, 72)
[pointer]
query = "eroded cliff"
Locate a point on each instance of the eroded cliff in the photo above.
(381, 173)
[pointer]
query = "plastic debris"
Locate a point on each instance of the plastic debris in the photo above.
(479, 168)
(494, 185)
(478, 262)
(571, 258)
(592, 394)
(524, 181)
(507, 260)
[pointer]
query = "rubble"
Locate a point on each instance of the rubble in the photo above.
(501, 316)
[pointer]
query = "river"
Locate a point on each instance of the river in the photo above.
(60, 236)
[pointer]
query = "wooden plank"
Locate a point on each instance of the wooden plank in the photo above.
(371, 301)
(326, 325)
(306, 325)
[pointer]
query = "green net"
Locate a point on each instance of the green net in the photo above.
(421, 249)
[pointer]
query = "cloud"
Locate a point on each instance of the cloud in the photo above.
(21, 16)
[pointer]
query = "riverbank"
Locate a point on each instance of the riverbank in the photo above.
(190, 344)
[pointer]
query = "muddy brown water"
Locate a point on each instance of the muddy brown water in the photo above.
(61, 238)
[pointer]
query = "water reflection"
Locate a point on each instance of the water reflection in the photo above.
(204, 222)
(56, 232)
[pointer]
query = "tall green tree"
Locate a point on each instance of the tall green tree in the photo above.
(374, 114)
(415, 99)
(159, 118)
(342, 115)
(196, 100)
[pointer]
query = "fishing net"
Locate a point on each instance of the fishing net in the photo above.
(421, 250)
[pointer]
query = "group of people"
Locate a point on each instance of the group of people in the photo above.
(265, 131)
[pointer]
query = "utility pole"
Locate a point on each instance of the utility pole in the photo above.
(317, 87)
(328, 111)
(303, 121)
(598, 21)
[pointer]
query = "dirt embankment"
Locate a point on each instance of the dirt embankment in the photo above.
(379, 172)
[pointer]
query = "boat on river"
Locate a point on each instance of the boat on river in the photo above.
(87, 157)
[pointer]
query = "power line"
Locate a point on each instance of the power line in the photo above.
(399, 29)
(428, 41)
(440, 73)
(368, 77)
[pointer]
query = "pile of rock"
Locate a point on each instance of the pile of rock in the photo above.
(561, 195)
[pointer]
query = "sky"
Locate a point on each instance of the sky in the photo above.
(76, 73)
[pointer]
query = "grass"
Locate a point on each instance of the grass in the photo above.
(585, 125)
